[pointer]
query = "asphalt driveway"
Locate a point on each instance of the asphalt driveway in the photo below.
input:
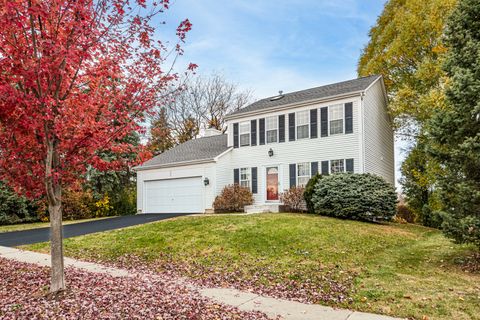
(17, 238)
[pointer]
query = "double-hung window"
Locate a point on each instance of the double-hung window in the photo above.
(245, 134)
(272, 129)
(303, 173)
(336, 118)
(245, 177)
(302, 124)
(337, 166)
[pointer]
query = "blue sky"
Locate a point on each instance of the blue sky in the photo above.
(266, 46)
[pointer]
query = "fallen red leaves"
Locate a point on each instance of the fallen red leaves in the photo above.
(325, 285)
(24, 288)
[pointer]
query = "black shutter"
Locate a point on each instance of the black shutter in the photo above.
(236, 176)
(349, 117)
(253, 131)
(314, 168)
(324, 122)
(291, 126)
(293, 175)
(313, 123)
(235, 135)
(254, 180)
(261, 129)
(349, 165)
(325, 167)
(281, 128)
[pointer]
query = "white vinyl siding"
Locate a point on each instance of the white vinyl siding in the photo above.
(303, 174)
(336, 118)
(303, 121)
(271, 124)
(337, 166)
(245, 134)
(245, 177)
(378, 136)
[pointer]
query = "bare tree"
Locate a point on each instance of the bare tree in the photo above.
(203, 102)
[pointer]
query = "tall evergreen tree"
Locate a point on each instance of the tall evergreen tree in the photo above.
(161, 138)
(455, 130)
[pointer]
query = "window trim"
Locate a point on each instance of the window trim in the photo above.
(249, 175)
(276, 129)
(330, 119)
(307, 124)
(240, 134)
(330, 166)
(309, 166)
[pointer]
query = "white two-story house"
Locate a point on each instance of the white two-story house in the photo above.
(274, 144)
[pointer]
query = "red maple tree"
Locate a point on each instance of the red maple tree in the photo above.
(76, 76)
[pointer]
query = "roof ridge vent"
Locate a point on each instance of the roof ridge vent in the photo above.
(280, 96)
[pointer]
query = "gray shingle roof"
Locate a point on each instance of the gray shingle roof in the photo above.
(326, 91)
(206, 148)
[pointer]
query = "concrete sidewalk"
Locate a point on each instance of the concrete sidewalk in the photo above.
(243, 300)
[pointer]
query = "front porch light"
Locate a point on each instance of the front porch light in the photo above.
(270, 152)
(206, 182)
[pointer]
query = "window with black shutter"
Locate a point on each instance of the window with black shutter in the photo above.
(324, 122)
(281, 128)
(253, 129)
(349, 165)
(261, 131)
(235, 135)
(314, 169)
(325, 167)
(291, 126)
(313, 123)
(236, 176)
(254, 180)
(293, 174)
(349, 117)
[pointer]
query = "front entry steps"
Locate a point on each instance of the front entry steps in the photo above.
(263, 208)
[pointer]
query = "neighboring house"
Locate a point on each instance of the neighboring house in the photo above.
(273, 144)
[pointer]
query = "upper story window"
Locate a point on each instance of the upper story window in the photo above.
(245, 177)
(303, 174)
(336, 118)
(337, 166)
(302, 124)
(245, 134)
(271, 129)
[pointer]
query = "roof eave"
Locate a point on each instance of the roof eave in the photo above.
(173, 164)
(294, 104)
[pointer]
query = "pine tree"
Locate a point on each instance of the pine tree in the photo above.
(455, 130)
(161, 138)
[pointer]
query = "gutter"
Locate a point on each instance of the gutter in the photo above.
(294, 104)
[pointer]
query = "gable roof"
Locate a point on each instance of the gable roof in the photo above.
(329, 90)
(200, 149)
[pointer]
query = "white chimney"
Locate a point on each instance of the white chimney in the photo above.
(212, 132)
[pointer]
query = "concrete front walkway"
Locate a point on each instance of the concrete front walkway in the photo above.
(243, 300)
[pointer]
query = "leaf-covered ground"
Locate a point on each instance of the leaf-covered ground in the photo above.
(24, 295)
(399, 270)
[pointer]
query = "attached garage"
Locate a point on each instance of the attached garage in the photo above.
(182, 195)
(182, 179)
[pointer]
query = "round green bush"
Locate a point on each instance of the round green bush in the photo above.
(355, 196)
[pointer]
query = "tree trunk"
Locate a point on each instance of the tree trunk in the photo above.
(54, 198)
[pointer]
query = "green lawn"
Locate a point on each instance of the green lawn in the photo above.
(36, 225)
(401, 270)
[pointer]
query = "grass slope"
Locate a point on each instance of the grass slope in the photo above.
(401, 270)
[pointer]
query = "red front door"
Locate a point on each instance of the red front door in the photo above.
(272, 183)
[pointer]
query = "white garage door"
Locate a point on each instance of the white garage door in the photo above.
(183, 195)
